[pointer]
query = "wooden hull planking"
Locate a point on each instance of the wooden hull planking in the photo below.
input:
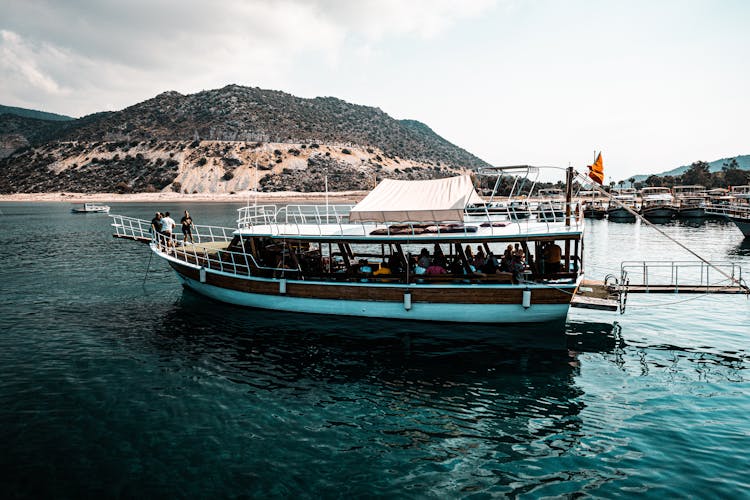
(455, 303)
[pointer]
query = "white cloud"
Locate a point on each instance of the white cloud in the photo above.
(110, 53)
(20, 61)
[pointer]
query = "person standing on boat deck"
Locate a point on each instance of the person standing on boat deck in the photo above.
(156, 223)
(187, 227)
(167, 225)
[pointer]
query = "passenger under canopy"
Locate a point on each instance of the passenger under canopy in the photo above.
(438, 200)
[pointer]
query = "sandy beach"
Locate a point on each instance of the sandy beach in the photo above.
(170, 197)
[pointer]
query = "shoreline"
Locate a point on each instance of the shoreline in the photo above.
(169, 197)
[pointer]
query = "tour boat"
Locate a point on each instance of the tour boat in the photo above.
(593, 205)
(691, 201)
(91, 208)
(621, 198)
(657, 203)
(735, 206)
(404, 252)
(551, 204)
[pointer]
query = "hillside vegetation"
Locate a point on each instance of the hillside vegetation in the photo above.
(33, 113)
(223, 140)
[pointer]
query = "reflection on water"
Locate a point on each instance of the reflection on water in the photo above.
(742, 249)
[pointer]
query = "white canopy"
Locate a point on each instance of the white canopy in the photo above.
(417, 201)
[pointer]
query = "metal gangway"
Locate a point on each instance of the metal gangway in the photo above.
(672, 276)
(662, 276)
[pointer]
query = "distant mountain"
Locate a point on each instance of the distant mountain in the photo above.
(218, 140)
(743, 162)
(32, 113)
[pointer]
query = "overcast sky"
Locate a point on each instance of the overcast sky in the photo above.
(653, 84)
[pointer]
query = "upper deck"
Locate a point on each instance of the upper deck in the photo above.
(331, 223)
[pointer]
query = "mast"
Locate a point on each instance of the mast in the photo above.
(568, 193)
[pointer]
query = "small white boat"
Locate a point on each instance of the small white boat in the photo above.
(91, 208)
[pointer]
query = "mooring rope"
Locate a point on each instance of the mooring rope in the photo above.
(673, 240)
(148, 268)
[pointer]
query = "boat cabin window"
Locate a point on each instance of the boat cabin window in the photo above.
(444, 261)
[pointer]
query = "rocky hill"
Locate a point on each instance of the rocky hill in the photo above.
(18, 131)
(224, 140)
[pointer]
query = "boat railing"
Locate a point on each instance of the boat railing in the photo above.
(315, 214)
(680, 273)
(253, 215)
(140, 229)
(211, 253)
(738, 210)
(131, 228)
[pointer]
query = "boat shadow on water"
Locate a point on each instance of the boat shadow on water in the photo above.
(433, 337)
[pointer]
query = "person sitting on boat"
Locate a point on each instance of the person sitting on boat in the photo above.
(506, 261)
(479, 258)
(518, 265)
(552, 255)
(383, 270)
(395, 264)
(469, 254)
(491, 265)
(424, 259)
(437, 252)
(436, 267)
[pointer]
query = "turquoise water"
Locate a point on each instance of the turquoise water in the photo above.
(114, 381)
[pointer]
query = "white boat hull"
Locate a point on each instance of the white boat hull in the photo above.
(463, 313)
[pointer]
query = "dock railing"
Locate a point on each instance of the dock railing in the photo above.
(680, 276)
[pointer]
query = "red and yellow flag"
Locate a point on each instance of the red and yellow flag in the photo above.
(596, 171)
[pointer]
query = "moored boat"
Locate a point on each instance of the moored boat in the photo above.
(404, 252)
(551, 204)
(91, 208)
(657, 203)
(593, 205)
(735, 206)
(691, 201)
(622, 198)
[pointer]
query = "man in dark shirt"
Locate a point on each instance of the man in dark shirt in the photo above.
(156, 224)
